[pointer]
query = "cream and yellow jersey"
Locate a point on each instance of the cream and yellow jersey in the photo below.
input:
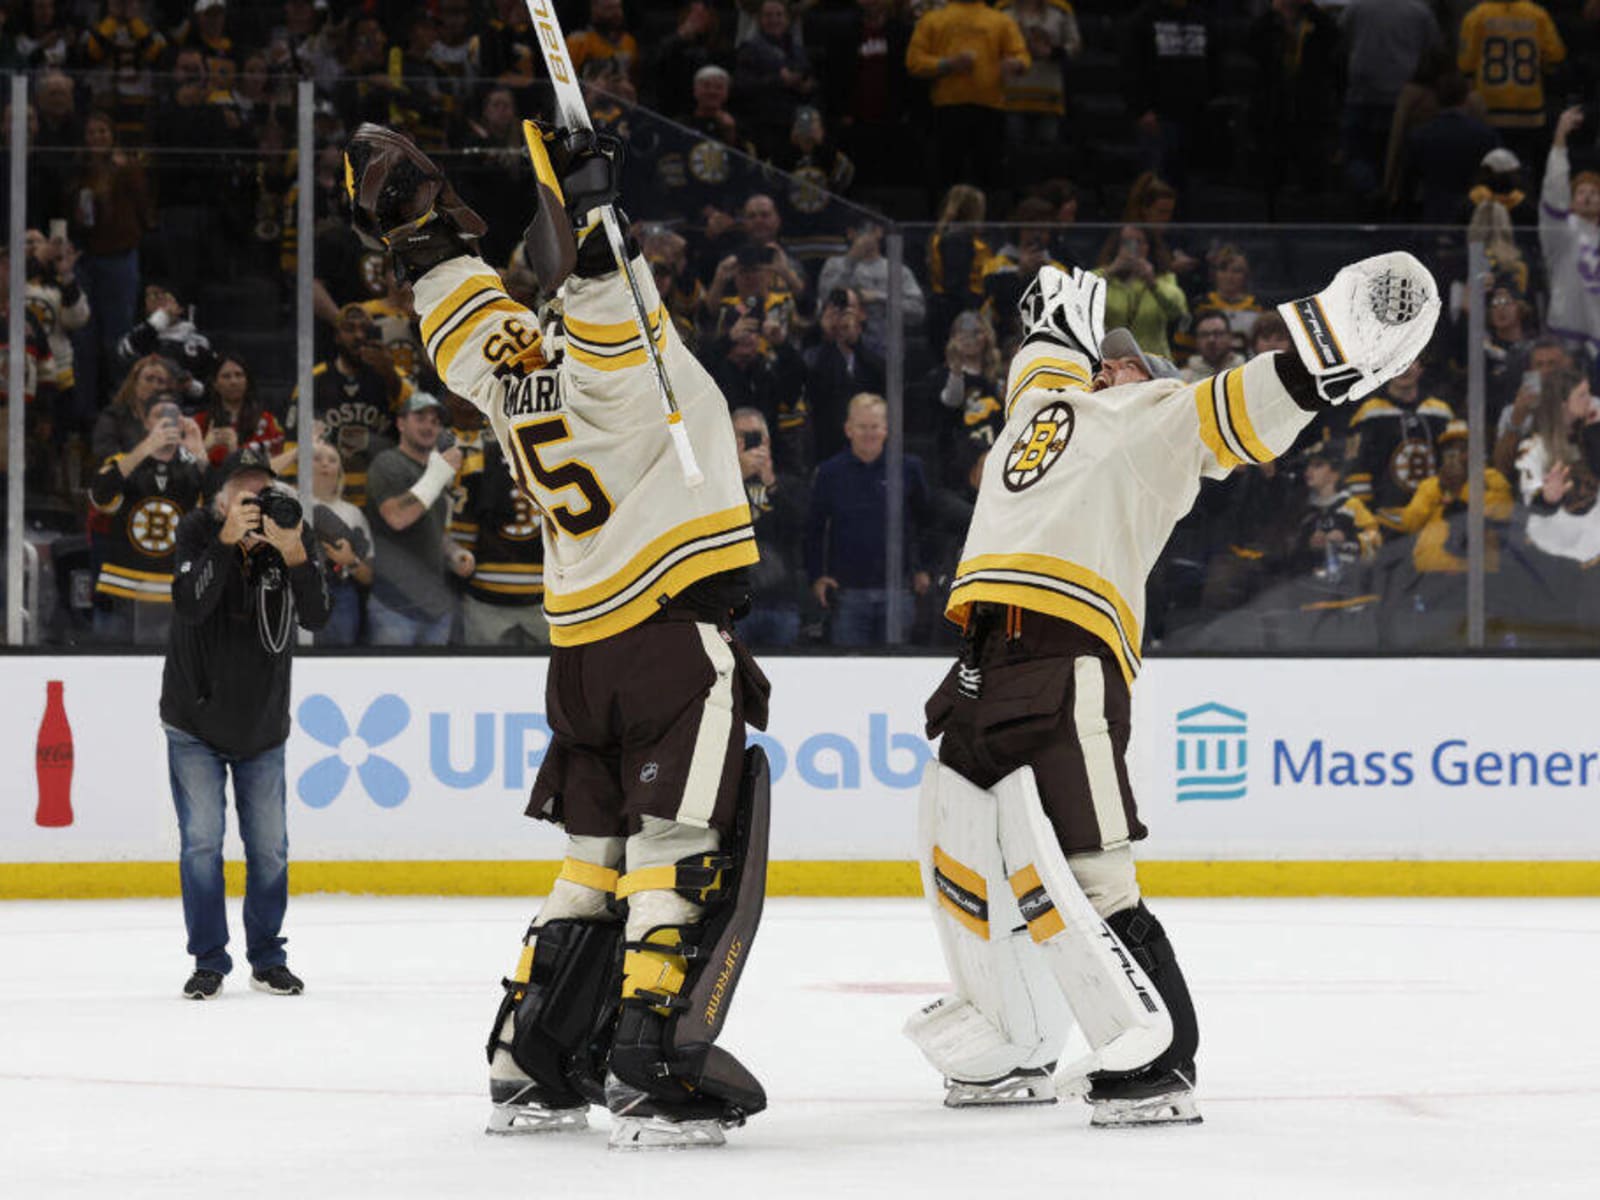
(1083, 488)
(588, 442)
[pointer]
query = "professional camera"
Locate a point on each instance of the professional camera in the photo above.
(281, 505)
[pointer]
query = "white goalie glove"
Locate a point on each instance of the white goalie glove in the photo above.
(1066, 307)
(1366, 326)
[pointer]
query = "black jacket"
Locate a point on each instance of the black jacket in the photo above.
(222, 683)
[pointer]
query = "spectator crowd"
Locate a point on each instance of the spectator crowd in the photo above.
(818, 186)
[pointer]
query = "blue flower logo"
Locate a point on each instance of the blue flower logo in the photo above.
(386, 784)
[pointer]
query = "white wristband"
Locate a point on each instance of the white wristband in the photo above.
(437, 476)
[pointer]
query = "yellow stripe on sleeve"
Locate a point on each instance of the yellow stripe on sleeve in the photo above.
(455, 302)
(615, 333)
(1239, 414)
(1210, 434)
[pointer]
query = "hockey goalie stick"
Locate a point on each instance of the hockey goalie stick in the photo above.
(572, 113)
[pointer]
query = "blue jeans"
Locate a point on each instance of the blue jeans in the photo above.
(391, 627)
(198, 774)
(860, 616)
(344, 619)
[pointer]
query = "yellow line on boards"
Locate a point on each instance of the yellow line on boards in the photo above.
(111, 880)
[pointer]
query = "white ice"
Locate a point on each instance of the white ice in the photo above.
(1350, 1048)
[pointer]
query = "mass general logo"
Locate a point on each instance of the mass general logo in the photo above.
(1213, 753)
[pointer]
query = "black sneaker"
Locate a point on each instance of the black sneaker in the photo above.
(203, 985)
(278, 980)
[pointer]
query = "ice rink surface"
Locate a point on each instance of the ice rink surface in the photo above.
(1350, 1048)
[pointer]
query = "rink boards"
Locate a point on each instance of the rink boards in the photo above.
(1256, 777)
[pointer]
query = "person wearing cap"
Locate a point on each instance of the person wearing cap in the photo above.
(241, 584)
(408, 505)
(1500, 179)
(1102, 453)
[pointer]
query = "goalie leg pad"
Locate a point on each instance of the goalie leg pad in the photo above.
(689, 931)
(552, 1031)
(1007, 1021)
(556, 1024)
(1122, 1014)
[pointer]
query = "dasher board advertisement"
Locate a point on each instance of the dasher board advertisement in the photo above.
(1257, 759)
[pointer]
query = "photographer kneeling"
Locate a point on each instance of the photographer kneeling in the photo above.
(247, 568)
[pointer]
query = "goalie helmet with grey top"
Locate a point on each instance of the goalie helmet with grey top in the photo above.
(1365, 327)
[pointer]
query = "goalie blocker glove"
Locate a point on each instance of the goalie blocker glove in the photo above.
(1365, 327)
(1067, 308)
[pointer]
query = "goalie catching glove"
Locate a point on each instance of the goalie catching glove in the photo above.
(401, 202)
(1365, 327)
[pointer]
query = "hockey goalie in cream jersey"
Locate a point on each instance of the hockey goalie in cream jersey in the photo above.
(1028, 816)
(628, 971)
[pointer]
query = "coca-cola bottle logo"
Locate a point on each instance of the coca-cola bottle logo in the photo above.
(53, 760)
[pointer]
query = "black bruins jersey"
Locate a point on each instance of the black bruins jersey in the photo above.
(494, 520)
(1393, 448)
(143, 510)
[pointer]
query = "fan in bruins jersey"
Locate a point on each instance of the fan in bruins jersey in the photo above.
(628, 971)
(144, 492)
(1028, 816)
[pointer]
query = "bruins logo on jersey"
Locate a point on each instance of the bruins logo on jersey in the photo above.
(708, 162)
(1038, 446)
(153, 526)
(808, 190)
(524, 525)
(1412, 462)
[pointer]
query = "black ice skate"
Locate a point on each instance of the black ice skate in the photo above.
(1025, 1085)
(1148, 1097)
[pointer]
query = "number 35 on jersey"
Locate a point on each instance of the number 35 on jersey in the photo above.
(565, 488)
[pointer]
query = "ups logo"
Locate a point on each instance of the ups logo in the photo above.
(1038, 446)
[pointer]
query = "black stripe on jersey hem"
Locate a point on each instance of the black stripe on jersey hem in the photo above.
(484, 298)
(628, 594)
(1051, 583)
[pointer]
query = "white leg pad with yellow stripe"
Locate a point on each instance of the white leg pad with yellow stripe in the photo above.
(1118, 1009)
(1007, 1015)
